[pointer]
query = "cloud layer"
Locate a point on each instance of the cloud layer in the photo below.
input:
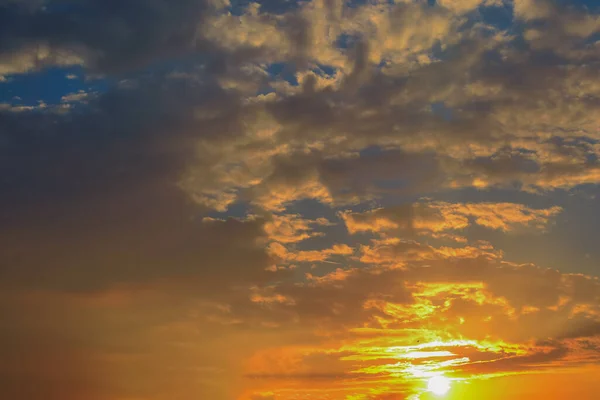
(277, 200)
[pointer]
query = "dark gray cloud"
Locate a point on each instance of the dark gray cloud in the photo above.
(110, 36)
(92, 192)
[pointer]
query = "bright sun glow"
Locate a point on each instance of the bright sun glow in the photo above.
(438, 385)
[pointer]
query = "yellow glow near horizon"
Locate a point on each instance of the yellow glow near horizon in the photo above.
(438, 385)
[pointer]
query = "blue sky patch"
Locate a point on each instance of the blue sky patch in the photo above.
(48, 86)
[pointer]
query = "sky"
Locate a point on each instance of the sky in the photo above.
(293, 200)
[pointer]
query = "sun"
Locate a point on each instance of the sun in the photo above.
(438, 385)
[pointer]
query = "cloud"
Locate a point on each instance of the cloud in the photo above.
(78, 97)
(279, 251)
(442, 304)
(292, 228)
(314, 199)
(441, 216)
(461, 6)
(103, 36)
(112, 195)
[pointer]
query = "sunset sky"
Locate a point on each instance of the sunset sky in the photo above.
(299, 200)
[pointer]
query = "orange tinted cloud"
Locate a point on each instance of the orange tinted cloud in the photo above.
(441, 216)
